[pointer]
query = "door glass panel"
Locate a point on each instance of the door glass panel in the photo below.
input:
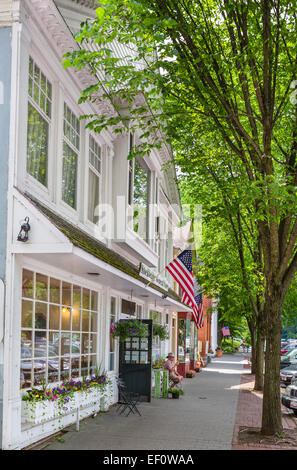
(134, 357)
(144, 357)
(135, 343)
(143, 343)
(128, 343)
(127, 356)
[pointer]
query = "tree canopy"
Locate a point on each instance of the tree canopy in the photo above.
(218, 75)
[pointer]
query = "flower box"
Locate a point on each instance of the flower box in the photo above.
(45, 410)
(40, 406)
(37, 412)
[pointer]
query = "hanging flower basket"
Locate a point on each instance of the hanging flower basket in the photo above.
(125, 329)
(161, 331)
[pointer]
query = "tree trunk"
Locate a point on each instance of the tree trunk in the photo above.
(254, 351)
(261, 334)
(271, 416)
(259, 369)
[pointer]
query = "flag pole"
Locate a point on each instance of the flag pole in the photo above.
(162, 270)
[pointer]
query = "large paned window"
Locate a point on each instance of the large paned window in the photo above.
(71, 143)
(138, 194)
(39, 120)
(94, 180)
(140, 199)
(58, 330)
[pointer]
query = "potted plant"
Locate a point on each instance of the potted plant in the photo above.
(161, 331)
(158, 364)
(190, 374)
(176, 392)
(219, 351)
(124, 329)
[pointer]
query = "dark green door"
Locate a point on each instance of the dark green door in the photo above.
(135, 364)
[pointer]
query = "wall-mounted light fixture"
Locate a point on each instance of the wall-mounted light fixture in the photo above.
(25, 227)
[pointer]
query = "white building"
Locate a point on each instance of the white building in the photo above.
(80, 270)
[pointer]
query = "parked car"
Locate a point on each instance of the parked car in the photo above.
(289, 347)
(288, 374)
(289, 397)
(289, 358)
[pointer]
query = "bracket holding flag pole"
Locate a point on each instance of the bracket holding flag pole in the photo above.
(162, 270)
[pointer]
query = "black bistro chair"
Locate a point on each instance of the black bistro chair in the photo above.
(127, 400)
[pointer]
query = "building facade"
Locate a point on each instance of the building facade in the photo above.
(88, 257)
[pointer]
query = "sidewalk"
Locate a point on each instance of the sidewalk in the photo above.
(202, 419)
(218, 406)
(249, 415)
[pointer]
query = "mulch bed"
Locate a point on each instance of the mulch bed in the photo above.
(252, 437)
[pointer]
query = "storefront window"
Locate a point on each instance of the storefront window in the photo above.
(59, 330)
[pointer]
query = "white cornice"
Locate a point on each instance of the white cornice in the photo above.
(50, 21)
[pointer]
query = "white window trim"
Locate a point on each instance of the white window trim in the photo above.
(31, 182)
(72, 213)
(89, 167)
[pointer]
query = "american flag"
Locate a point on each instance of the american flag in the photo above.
(226, 331)
(181, 269)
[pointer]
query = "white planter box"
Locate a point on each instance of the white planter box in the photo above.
(46, 410)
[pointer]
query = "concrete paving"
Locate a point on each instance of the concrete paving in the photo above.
(203, 418)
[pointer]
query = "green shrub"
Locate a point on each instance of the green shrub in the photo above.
(176, 391)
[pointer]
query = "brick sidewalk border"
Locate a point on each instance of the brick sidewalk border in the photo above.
(249, 413)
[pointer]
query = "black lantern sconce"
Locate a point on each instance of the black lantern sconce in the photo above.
(25, 227)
